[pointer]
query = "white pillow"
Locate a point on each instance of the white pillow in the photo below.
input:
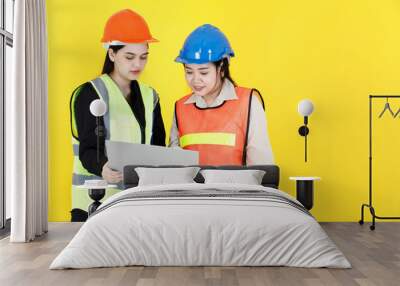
(166, 176)
(248, 177)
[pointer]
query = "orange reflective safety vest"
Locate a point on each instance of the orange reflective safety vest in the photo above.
(218, 133)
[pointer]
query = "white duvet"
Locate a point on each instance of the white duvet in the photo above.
(183, 231)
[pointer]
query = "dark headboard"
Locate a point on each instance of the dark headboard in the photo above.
(270, 179)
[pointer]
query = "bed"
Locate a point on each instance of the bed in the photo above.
(201, 224)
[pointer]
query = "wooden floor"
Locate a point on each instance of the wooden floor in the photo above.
(375, 257)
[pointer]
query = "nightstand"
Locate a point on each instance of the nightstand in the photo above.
(96, 194)
(305, 190)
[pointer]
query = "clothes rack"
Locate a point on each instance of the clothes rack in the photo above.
(369, 205)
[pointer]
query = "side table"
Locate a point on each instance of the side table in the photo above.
(305, 190)
(96, 194)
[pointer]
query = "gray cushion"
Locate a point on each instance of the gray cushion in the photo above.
(247, 177)
(165, 176)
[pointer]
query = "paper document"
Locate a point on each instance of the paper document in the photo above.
(121, 154)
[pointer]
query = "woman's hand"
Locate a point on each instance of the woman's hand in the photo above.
(110, 175)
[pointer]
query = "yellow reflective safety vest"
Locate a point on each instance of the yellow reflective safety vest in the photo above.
(120, 124)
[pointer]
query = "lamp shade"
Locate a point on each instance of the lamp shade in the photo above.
(98, 107)
(305, 107)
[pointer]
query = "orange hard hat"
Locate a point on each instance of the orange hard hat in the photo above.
(126, 27)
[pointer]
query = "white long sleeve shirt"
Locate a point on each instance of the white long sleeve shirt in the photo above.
(259, 151)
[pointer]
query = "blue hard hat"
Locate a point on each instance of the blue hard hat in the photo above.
(205, 44)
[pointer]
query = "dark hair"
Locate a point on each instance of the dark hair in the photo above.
(108, 66)
(224, 64)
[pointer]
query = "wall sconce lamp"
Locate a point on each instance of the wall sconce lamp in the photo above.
(305, 108)
(98, 108)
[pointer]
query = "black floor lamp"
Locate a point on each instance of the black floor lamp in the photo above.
(305, 108)
(98, 108)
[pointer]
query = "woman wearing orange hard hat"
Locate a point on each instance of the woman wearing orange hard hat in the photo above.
(133, 111)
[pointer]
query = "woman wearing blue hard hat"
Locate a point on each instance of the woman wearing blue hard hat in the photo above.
(223, 121)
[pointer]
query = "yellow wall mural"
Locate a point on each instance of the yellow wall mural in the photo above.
(335, 53)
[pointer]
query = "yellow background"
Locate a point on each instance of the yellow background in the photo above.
(335, 53)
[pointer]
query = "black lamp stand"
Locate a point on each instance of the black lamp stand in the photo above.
(100, 132)
(303, 131)
(97, 194)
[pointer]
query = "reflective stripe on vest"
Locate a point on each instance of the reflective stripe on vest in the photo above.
(227, 139)
(219, 134)
(119, 121)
